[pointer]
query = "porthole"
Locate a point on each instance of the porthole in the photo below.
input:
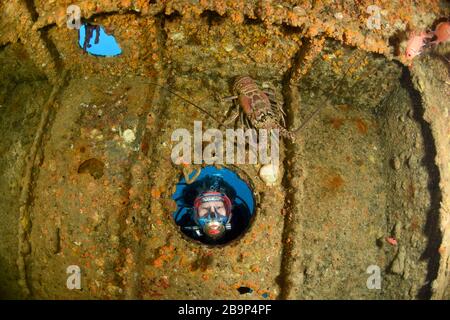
(214, 209)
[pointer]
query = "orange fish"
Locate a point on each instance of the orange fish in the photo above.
(392, 241)
(442, 33)
(415, 44)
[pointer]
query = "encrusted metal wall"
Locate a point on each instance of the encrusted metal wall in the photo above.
(372, 164)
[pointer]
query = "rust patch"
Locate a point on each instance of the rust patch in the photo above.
(156, 193)
(165, 254)
(336, 123)
(361, 126)
(415, 226)
(334, 183)
(411, 190)
(202, 263)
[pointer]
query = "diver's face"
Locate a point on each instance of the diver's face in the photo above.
(212, 206)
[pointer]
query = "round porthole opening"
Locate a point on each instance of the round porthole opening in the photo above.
(216, 208)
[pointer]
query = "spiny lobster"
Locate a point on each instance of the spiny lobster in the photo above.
(258, 109)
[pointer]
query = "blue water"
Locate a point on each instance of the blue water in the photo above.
(241, 187)
(107, 45)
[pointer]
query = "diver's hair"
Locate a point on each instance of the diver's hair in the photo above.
(208, 183)
(218, 184)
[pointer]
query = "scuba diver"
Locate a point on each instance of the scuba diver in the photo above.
(211, 211)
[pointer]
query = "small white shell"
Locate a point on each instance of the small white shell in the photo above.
(176, 36)
(269, 174)
(129, 136)
(228, 47)
(339, 15)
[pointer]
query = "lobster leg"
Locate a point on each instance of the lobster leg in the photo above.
(273, 101)
(232, 118)
(282, 113)
(280, 108)
(287, 134)
(246, 121)
(271, 95)
(242, 119)
(277, 108)
(229, 98)
(283, 120)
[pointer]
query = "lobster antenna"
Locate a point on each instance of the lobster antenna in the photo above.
(186, 100)
(339, 83)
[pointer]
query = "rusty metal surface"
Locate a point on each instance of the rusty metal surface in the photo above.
(361, 171)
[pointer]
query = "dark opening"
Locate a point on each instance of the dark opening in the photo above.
(212, 17)
(244, 290)
(92, 166)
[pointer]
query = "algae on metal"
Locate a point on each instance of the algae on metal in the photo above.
(371, 165)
